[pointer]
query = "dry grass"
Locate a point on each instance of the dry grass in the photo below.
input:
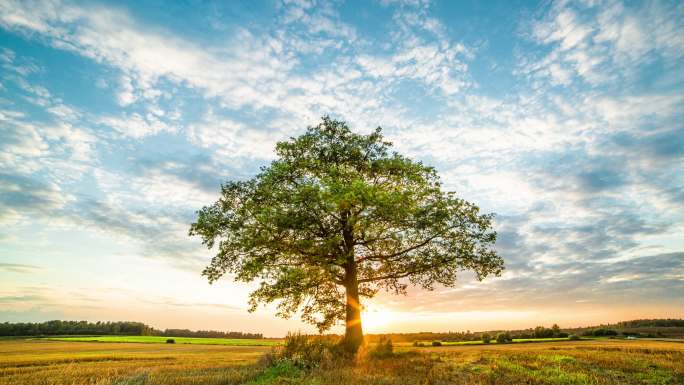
(584, 362)
(76, 363)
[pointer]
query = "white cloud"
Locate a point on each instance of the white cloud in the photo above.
(241, 76)
(231, 139)
(135, 125)
(126, 94)
(610, 41)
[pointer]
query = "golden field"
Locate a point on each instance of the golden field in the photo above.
(582, 362)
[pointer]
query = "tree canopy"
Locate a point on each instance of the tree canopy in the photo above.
(336, 217)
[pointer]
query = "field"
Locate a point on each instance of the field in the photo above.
(515, 341)
(599, 362)
(178, 340)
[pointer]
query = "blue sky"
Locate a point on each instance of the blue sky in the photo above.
(119, 120)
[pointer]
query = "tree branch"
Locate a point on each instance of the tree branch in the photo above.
(402, 252)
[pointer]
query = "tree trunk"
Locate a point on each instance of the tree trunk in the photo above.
(353, 336)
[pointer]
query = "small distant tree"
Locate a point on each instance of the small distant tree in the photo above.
(503, 338)
(486, 338)
(337, 217)
(542, 332)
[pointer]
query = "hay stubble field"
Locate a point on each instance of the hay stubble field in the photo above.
(598, 362)
(177, 340)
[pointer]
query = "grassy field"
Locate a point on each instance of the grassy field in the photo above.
(600, 362)
(246, 342)
(161, 340)
(515, 341)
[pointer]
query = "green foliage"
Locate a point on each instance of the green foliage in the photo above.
(503, 338)
(307, 352)
(383, 349)
(58, 327)
(284, 370)
(573, 337)
(542, 332)
(126, 328)
(553, 332)
(170, 341)
(207, 334)
(436, 343)
(338, 213)
(486, 338)
(640, 323)
(601, 332)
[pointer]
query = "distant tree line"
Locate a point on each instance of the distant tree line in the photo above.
(58, 327)
(650, 323)
(426, 336)
(538, 332)
(600, 332)
(128, 328)
(640, 328)
(209, 334)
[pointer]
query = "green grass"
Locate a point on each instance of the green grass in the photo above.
(162, 340)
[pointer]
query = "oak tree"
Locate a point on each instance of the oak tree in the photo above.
(335, 218)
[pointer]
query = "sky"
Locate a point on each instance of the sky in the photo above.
(119, 120)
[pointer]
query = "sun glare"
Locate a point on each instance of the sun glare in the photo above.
(375, 320)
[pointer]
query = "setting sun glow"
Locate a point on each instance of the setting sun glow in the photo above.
(376, 320)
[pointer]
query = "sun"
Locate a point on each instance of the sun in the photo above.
(375, 319)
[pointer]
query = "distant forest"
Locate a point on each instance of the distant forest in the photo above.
(127, 328)
(642, 327)
(639, 328)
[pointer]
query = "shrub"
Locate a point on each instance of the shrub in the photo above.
(383, 349)
(573, 337)
(436, 343)
(486, 338)
(307, 352)
(503, 338)
(170, 341)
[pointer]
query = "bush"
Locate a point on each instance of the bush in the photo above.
(436, 343)
(486, 338)
(573, 337)
(170, 341)
(503, 338)
(307, 352)
(418, 344)
(383, 349)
